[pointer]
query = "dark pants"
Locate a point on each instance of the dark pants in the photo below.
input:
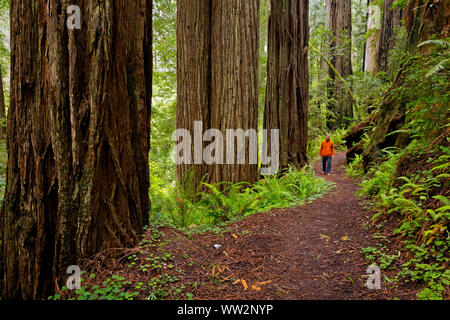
(326, 164)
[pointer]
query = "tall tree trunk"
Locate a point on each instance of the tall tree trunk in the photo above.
(2, 109)
(193, 77)
(218, 80)
(286, 106)
(78, 138)
(391, 20)
(340, 25)
(234, 94)
(373, 41)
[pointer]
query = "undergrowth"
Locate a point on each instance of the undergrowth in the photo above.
(412, 184)
(145, 273)
(221, 203)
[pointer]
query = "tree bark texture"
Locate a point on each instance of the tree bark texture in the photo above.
(78, 138)
(218, 77)
(340, 25)
(391, 20)
(2, 109)
(193, 76)
(373, 41)
(286, 107)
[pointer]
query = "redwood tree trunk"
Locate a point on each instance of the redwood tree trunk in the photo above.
(286, 106)
(391, 20)
(193, 75)
(340, 25)
(234, 91)
(2, 109)
(217, 79)
(373, 41)
(78, 138)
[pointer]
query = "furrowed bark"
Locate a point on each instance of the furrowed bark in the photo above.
(373, 41)
(286, 106)
(2, 109)
(340, 25)
(78, 138)
(234, 79)
(217, 80)
(391, 20)
(193, 76)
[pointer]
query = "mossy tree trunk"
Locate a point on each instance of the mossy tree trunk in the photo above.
(286, 107)
(422, 19)
(78, 138)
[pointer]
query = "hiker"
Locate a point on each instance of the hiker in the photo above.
(327, 152)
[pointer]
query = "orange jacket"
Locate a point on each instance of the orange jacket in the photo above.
(327, 148)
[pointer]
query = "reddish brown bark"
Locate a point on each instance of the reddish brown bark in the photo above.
(2, 109)
(391, 20)
(373, 41)
(286, 106)
(340, 25)
(234, 79)
(193, 75)
(78, 138)
(217, 78)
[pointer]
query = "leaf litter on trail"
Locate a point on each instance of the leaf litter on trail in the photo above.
(255, 287)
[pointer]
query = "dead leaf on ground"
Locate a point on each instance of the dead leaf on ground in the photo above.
(264, 283)
(324, 236)
(256, 288)
(244, 284)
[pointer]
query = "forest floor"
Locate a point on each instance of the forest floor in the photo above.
(311, 252)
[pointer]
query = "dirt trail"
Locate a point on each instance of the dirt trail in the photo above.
(311, 252)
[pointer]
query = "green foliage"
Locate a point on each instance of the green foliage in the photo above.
(221, 205)
(423, 228)
(355, 169)
(151, 275)
(413, 183)
(379, 179)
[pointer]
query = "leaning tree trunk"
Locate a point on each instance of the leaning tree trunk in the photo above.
(286, 106)
(391, 20)
(2, 109)
(423, 19)
(340, 25)
(78, 138)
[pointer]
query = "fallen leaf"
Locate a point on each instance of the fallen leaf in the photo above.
(324, 236)
(255, 288)
(264, 283)
(244, 284)
(344, 238)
